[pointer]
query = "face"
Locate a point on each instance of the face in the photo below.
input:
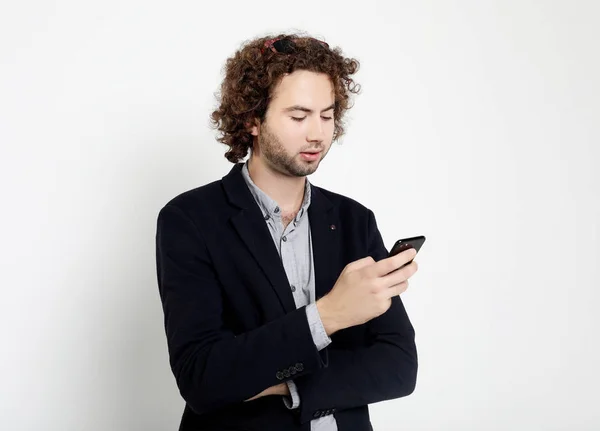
(299, 119)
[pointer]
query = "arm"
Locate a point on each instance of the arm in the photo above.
(212, 366)
(384, 370)
(321, 340)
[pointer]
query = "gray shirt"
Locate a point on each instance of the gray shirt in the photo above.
(295, 250)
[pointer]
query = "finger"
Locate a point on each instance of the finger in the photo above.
(389, 264)
(396, 289)
(399, 275)
(360, 263)
(401, 288)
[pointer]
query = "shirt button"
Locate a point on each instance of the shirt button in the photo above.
(293, 288)
(276, 210)
(266, 216)
(284, 239)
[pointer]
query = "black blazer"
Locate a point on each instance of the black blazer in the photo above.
(232, 326)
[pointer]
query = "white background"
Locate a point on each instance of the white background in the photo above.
(477, 126)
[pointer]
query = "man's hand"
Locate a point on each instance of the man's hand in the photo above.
(280, 389)
(364, 290)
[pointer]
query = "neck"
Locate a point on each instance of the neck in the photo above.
(287, 191)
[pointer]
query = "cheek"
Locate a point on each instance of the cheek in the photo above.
(292, 136)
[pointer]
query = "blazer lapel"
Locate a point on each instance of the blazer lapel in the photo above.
(325, 231)
(254, 232)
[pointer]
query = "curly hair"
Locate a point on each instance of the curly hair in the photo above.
(251, 76)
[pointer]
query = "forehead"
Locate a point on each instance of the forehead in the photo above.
(302, 87)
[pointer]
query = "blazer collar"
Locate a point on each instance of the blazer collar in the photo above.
(249, 223)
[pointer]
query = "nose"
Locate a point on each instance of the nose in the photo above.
(316, 130)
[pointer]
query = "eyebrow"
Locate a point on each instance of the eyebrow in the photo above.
(304, 109)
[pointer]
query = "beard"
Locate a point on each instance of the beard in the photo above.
(275, 156)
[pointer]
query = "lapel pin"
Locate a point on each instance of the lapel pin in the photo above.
(332, 227)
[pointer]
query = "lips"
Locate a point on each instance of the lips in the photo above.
(310, 156)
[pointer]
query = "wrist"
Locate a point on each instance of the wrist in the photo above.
(330, 321)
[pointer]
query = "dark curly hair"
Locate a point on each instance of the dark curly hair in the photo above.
(251, 76)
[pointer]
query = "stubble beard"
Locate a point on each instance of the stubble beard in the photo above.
(277, 158)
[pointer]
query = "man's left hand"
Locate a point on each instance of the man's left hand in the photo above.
(280, 389)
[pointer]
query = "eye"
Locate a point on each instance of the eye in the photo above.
(299, 119)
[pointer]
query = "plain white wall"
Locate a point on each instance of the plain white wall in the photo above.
(477, 126)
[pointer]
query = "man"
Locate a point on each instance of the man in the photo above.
(282, 309)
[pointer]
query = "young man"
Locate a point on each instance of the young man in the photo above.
(282, 309)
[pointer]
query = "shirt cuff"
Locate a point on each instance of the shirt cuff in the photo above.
(295, 396)
(317, 329)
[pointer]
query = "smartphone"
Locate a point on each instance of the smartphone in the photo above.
(404, 244)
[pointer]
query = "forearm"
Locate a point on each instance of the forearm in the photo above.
(321, 341)
(358, 377)
(384, 370)
(234, 369)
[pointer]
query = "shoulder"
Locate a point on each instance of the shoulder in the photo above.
(194, 200)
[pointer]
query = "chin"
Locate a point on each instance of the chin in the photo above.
(310, 169)
(302, 169)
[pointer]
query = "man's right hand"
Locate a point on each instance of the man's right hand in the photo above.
(364, 290)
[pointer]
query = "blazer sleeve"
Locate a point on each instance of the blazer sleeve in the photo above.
(384, 370)
(214, 367)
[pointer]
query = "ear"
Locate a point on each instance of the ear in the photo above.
(253, 128)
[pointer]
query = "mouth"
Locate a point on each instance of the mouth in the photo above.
(310, 155)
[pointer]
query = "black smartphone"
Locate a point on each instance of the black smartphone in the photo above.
(404, 244)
